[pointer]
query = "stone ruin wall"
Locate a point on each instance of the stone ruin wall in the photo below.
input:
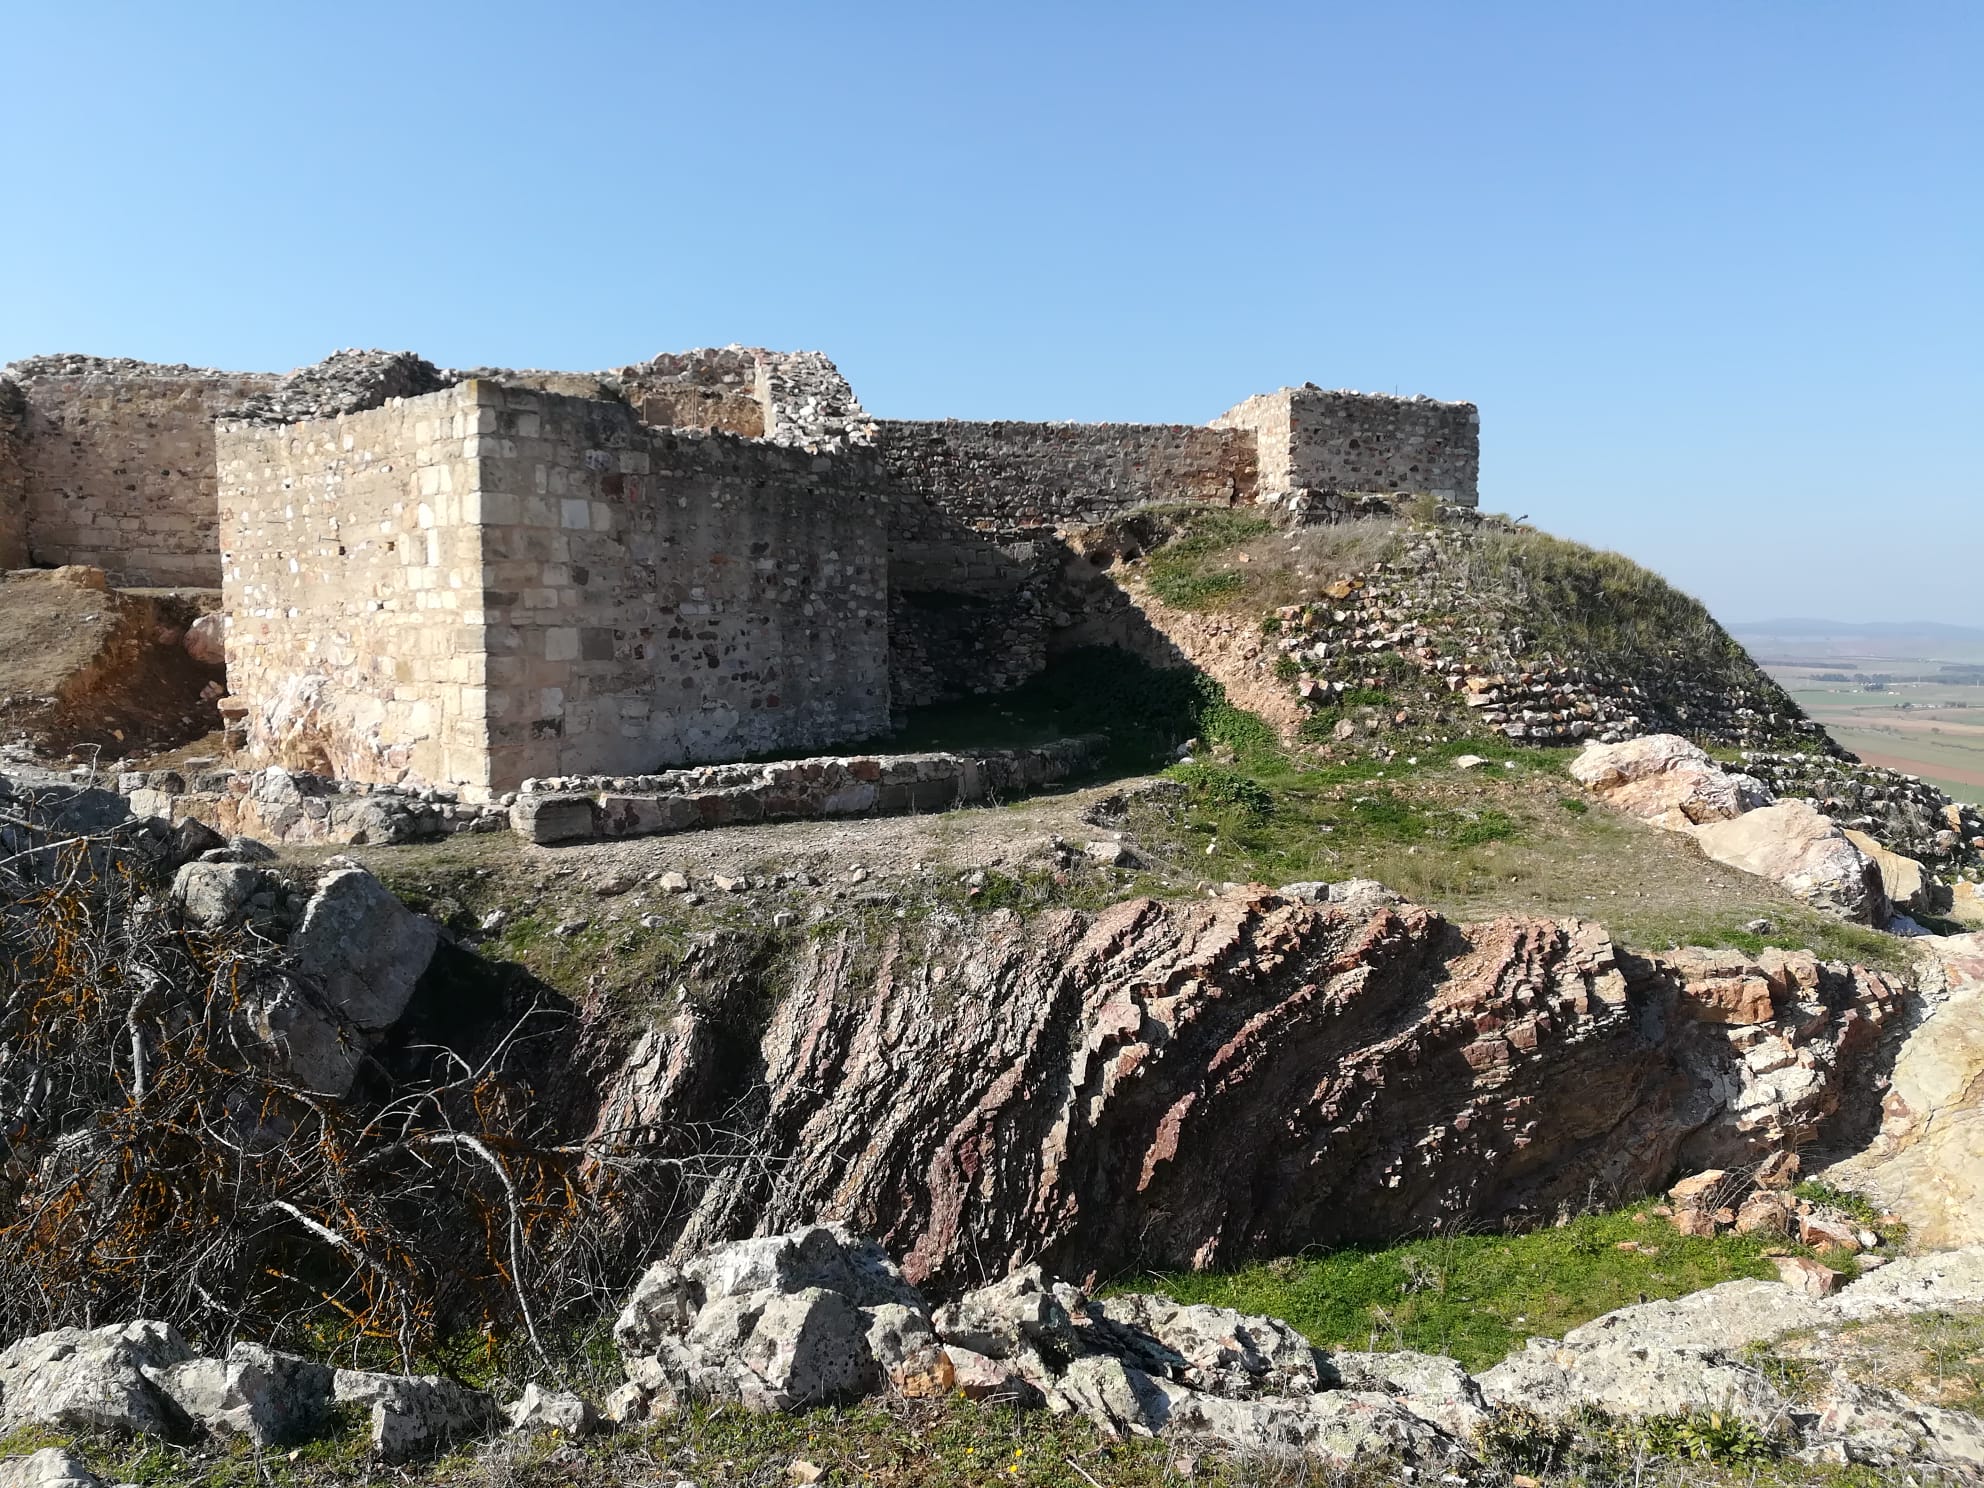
(757, 472)
(974, 547)
(351, 565)
(661, 596)
(13, 475)
(486, 584)
(119, 466)
(1317, 439)
(1005, 475)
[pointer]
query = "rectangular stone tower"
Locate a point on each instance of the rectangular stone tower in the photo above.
(486, 584)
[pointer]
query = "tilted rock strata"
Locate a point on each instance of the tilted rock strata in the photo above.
(1190, 1084)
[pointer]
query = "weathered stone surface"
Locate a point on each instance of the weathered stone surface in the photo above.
(414, 1415)
(1907, 884)
(92, 1379)
(775, 1323)
(362, 947)
(1664, 779)
(1927, 1160)
(212, 895)
(51, 1467)
(268, 1397)
(562, 1411)
(1431, 1386)
(1802, 852)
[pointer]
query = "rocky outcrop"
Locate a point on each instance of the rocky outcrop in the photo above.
(93, 1379)
(1698, 1353)
(1664, 779)
(819, 1316)
(1927, 1160)
(1803, 852)
(1190, 1084)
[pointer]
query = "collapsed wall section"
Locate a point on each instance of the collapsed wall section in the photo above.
(351, 563)
(1320, 439)
(659, 596)
(119, 465)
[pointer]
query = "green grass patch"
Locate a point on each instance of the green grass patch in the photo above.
(1187, 573)
(1478, 1297)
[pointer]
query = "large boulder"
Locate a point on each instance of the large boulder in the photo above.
(1804, 853)
(1910, 888)
(362, 947)
(212, 895)
(254, 1392)
(1664, 779)
(93, 1379)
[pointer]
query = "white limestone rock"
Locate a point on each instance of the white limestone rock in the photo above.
(268, 1397)
(51, 1467)
(92, 1379)
(1664, 779)
(414, 1415)
(1803, 852)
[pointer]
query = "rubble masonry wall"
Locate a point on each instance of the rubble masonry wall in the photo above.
(1007, 474)
(13, 476)
(1324, 440)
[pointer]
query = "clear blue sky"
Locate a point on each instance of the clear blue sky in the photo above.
(1714, 272)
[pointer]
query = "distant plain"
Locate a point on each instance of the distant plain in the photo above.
(1910, 697)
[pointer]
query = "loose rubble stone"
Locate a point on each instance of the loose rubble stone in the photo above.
(364, 948)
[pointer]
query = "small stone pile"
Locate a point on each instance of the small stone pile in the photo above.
(1760, 1202)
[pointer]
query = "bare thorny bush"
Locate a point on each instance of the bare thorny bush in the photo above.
(156, 1161)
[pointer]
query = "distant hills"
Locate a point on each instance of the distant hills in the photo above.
(1898, 640)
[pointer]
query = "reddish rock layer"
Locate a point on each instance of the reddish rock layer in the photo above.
(1191, 1084)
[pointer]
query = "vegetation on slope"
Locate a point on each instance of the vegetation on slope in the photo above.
(1477, 1297)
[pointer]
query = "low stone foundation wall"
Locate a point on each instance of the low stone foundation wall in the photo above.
(289, 806)
(572, 809)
